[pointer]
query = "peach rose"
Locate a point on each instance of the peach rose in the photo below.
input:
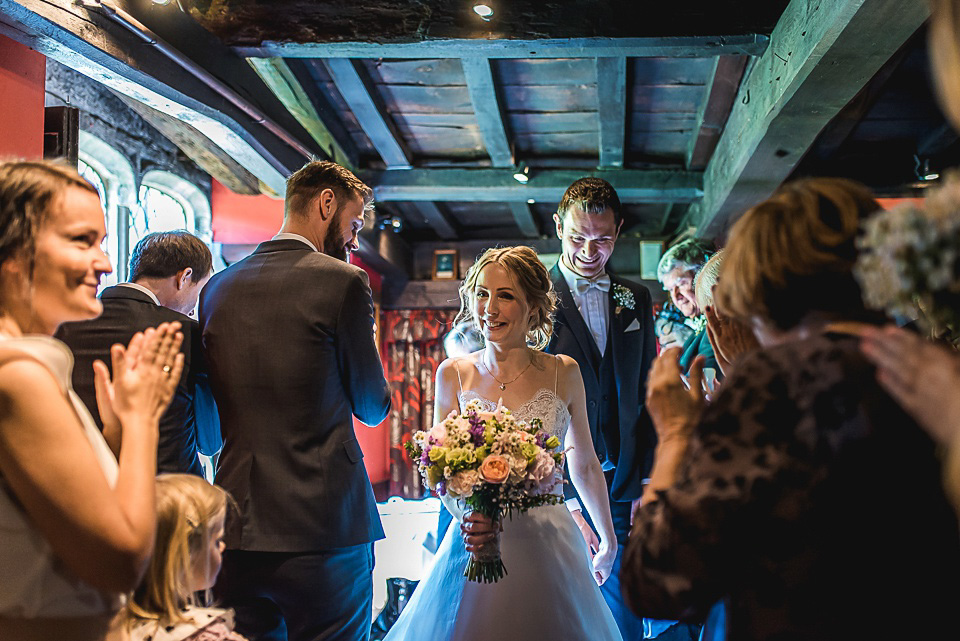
(495, 469)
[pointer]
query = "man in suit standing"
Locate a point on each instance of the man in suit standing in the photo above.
(288, 333)
(605, 323)
(167, 272)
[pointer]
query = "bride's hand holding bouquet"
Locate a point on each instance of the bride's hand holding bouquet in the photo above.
(497, 466)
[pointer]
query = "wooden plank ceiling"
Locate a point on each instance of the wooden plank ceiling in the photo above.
(439, 109)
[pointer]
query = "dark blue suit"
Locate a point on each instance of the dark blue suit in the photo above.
(615, 384)
(288, 334)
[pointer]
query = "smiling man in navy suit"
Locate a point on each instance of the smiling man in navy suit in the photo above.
(605, 323)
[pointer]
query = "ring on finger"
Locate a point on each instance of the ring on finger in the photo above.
(167, 369)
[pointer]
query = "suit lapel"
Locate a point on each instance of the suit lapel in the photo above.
(578, 327)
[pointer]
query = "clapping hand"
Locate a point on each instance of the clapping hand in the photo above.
(922, 376)
(674, 407)
(730, 339)
(145, 376)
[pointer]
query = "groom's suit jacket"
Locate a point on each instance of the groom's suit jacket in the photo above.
(288, 334)
(615, 382)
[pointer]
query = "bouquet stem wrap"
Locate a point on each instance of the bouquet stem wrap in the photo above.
(485, 564)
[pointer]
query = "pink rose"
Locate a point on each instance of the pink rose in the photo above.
(495, 469)
(543, 469)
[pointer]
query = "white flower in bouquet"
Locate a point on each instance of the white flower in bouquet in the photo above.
(908, 263)
(462, 484)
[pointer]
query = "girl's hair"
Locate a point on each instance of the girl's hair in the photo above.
(794, 253)
(187, 509)
(28, 189)
(531, 277)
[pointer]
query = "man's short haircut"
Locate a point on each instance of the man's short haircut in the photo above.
(164, 254)
(690, 255)
(592, 196)
(311, 179)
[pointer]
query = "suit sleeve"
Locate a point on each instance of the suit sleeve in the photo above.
(361, 369)
(646, 431)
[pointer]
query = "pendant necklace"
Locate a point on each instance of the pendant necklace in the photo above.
(503, 385)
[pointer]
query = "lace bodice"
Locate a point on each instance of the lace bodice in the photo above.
(545, 405)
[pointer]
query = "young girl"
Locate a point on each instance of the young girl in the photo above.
(186, 560)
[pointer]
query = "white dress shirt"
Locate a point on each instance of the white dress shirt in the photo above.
(285, 235)
(593, 306)
(143, 289)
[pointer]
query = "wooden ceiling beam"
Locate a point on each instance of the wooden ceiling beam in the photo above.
(720, 92)
(669, 47)
(489, 111)
(612, 109)
(98, 47)
(438, 219)
(499, 185)
(361, 95)
(820, 56)
(523, 216)
(277, 75)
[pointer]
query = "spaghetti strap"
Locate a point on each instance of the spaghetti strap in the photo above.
(556, 376)
(456, 366)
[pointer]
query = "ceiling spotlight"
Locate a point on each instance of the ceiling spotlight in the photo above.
(923, 171)
(484, 11)
(522, 173)
(531, 201)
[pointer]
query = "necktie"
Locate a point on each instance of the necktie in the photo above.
(601, 282)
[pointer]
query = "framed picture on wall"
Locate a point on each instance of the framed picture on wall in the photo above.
(445, 264)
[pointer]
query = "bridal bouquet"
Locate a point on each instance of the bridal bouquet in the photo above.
(909, 260)
(496, 464)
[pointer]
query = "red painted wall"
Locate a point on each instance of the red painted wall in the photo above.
(22, 77)
(243, 220)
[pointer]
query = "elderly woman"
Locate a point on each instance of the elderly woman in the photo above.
(677, 272)
(803, 496)
(76, 524)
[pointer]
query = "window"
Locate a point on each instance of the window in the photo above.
(158, 211)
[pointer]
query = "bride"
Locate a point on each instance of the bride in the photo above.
(551, 587)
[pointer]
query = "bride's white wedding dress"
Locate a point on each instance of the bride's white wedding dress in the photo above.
(548, 592)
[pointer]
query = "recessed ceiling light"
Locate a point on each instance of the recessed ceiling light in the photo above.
(522, 173)
(483, 10)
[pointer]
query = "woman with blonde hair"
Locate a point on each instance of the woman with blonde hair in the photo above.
(551, 587)
(186, 560)
(76, 519)
(802, 497)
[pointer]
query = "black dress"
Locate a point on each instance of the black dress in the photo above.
(809, 503)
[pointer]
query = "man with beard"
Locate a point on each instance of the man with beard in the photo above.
(288, 333)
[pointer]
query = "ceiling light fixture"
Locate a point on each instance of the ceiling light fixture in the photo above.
(531, 201)
(923, 171)
(522, 173)
(162, 2)
(485, 11)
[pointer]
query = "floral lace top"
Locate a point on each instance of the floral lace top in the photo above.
(809, 503)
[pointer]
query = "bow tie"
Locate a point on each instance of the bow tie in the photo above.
(600, 282)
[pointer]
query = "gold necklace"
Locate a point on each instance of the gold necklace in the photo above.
(503, 385)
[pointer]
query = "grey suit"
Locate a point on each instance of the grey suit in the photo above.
(288, 336)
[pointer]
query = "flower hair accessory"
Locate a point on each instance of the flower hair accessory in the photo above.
(623, 297)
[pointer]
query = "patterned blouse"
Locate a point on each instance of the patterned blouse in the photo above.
(809, 503)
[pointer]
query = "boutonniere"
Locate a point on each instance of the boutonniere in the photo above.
(623, 297)
(698, 324)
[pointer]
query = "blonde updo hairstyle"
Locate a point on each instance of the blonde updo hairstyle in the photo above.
(531, 278)
(188, 508)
